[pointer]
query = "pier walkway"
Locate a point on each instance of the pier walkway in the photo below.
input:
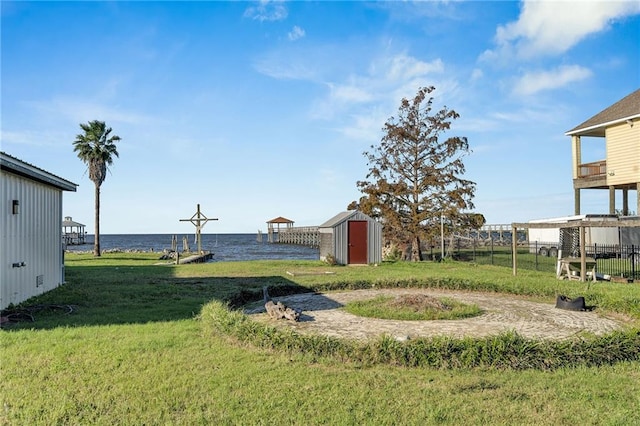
(194, 258)
(302, 235)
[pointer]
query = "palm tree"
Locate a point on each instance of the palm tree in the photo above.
(96, 148)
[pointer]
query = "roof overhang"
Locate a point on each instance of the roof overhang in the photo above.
(72, 224)
(19, 167)
(280, 219)
(599, 129)
(339, 218)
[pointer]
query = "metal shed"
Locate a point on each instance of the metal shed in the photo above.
(351, 238)
(30, 220)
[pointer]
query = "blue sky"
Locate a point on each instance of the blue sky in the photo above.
(262, 109)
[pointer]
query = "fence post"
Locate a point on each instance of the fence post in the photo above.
(633, 262)
(474, 249)
(491, 247)
(536, 256)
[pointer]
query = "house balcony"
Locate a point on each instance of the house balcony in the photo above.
(595, 169)
(591, 175)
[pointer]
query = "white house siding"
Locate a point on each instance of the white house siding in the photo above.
(32, 256)
(623, 154)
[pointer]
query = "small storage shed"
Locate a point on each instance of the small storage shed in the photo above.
(351, 238)
(30, 220)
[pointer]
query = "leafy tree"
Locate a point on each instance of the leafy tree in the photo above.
(415, 177)
(96, 148)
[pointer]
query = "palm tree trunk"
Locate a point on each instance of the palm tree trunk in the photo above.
(96, 240)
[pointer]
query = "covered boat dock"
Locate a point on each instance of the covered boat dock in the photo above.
(73, 233)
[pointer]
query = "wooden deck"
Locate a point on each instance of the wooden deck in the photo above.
(195, 258)
(73, 239)
(303, 235)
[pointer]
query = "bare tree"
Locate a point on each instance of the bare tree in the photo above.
(415, 177)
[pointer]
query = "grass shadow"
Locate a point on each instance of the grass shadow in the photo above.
(110, 295)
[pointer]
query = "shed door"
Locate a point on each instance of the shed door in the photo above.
(357, 241)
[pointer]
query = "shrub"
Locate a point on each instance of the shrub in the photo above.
(330, 259)
(508, 351)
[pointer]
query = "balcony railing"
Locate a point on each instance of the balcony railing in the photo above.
(595, 169)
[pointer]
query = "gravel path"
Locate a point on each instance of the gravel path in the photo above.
(322, 314)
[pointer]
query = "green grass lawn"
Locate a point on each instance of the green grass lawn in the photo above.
(136, 351)
(412, 308)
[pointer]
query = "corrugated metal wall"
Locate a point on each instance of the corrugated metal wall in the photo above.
(374, 239)
(31, 246)
(341, 242)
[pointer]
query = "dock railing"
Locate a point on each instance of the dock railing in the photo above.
(300, 235)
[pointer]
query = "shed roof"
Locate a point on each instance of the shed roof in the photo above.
(344, 216)
(280, 219)
(626, 108)
(22, 168)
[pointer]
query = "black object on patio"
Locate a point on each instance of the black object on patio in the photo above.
(576, 304)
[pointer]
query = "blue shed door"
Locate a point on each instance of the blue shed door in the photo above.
(357, 241)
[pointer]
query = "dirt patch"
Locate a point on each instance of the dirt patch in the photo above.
(322, 315)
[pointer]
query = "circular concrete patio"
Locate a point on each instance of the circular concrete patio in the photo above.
(502, 313)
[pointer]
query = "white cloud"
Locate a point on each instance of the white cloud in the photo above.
(350, 93)
(368, 99)
(60, 116)
(267, 10)
(296, 33)
(553, 27)
(285, 69)
(79, 111)
(365, 127)
(31, 138)
(534, 82)
(476, 74)
(404, 67)
(358, 101)
(392, 77)
(478, 124)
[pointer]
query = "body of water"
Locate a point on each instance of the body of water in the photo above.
(225, 247)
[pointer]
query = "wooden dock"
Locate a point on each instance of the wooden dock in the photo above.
(73, 233)
(195, 258)
(302, 235)
(73, 239)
